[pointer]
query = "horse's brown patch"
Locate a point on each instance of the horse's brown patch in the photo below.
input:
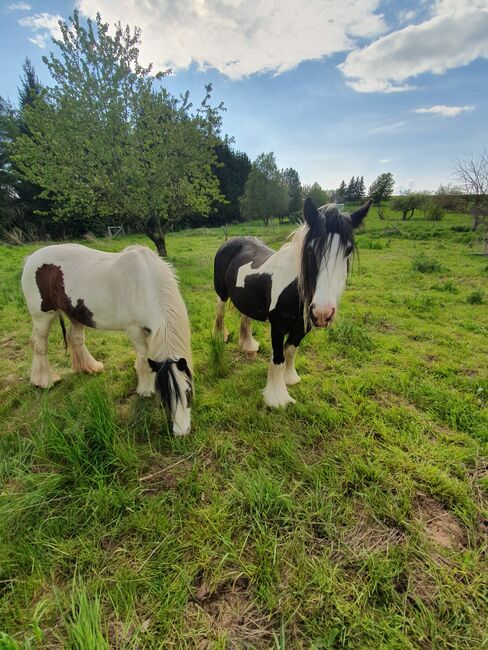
(50, 282)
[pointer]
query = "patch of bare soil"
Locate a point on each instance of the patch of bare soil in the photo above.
(439, 526)
(421, 584)
(11, 348)
(368, 535)
(226, 613)
(165, 474)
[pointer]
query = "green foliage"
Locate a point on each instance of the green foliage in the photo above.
(381, 188)
(295, 199)
(434, 212)
(424, 264)
(315, 192)
(407, 204)
(232, 171)
(107, 142)
(266, 194)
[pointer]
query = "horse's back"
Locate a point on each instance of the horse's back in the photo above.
(114, 286)
(231, 255)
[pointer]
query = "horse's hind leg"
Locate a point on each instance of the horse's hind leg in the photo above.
(81, 359)
(246, 341)
(41, 374)
(219, 328)
(145, 376)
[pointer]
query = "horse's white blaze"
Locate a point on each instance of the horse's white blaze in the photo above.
(282, 267)
(134, 291)
(331, 281)
(275, 392)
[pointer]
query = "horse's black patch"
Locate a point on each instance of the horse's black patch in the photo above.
(166, 384)
(254, 298)
(50, 282)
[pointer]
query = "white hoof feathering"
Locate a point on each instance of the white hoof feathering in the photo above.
(275, 393)
(249, 345)
(41, 373)
(291, 375)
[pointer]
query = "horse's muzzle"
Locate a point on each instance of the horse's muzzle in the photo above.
(322, 317)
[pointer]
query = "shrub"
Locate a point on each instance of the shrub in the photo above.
(424, 264)
(448, 287)
(476, 297)
(434, 212)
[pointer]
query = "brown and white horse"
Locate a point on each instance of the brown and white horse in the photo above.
(134, 291)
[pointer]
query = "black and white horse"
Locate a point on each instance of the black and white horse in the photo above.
(294, 288)
(134, 291)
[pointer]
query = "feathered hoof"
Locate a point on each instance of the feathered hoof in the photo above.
(92, 369)
(292, 378)
(277, 399)
(45, 381)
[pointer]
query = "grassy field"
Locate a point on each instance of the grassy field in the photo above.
(356, 518)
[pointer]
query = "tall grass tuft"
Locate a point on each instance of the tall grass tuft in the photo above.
(84, 442)
(218, 360)
(424, 264)
(476, 297)
(83, 625)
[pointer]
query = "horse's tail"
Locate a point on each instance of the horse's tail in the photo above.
(63, 329)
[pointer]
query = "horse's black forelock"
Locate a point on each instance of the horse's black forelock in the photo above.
(167, 386)
(317, 241)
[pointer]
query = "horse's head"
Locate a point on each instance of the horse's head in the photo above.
(174, 385)
(328, 245)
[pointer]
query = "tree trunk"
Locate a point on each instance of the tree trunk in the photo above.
(154, 230)
(160, 243)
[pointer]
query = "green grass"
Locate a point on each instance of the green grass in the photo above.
(355, 518)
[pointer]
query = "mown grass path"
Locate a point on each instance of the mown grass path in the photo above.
(355, 518)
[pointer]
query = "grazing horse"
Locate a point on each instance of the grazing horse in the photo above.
(294, 288)
(134, 291)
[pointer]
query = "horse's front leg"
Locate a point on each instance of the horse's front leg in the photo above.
(145, 376)
(275, 393)
(291, 346)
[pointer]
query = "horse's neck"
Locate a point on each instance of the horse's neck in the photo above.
(171, 338)
(285, 259)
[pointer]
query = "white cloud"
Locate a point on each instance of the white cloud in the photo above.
(44, 26)
(239, 38)
(445, 111)
(20, 6)
(455, 35)
(387, 127)
(385, 160)
(406, 16)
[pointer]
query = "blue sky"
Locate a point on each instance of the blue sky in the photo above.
(335, 88)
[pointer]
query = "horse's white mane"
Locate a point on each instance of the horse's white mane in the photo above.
(172, 337)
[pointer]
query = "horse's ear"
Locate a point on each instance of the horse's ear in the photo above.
(182, 365)
(310, 212)
(154, 365)
(358, 216)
